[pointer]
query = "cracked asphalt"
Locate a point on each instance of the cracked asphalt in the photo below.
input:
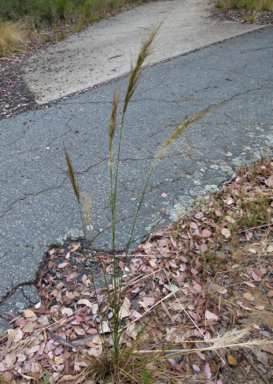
(38, 207)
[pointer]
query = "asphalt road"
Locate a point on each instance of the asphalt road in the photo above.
(38, 207)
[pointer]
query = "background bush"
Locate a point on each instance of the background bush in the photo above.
(58, 10)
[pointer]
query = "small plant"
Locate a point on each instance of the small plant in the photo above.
(115, 359)
(235, 4)
(247, 5)
(46, 38)
(78, 28)
(219, 5)
(12, 38)
(61, 36)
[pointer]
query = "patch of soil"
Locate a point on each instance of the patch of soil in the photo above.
(242, 16)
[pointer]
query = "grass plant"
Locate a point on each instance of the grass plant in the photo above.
(115, 359)
(12, 37)
(247, 5)
(219, 5)
(51, 20)
(61, 10)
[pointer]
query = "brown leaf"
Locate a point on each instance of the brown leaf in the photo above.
(206, 233)
(28, 313)
(85, 302)
(211, 316)
(248, 296)
(213, 366)
(75, 246)
(269, 294)
(74, 343)
(267, 348)
(62, 265)
(231, 360)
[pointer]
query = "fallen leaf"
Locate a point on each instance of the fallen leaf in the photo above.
(123, 313)
(58, 351)
(105, 327)
(269, 181)
(260, 307)
(75, 246)
(268, 348)
(270, 248)
(269, 294)
(262, 358)
(67, 311)
(229, 201)
(206, 233)
(211, 316)
(255, 276)
(9, 360)
(226, 232)
(171, 288)
(230, 220)
(95, 308)
(85, 302)
(196, 368)
(213, 365)
(62, 265)
(250, 284)
(29, 313)
(147, 302)
(16, 334)
(231, 360)
(248, 296)
(28, 328)
(79, 331)
(151, 366)
(208, 371)
(193, 225)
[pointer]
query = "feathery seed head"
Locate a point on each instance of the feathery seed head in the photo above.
(112, 126)
(180, 131)
(145, 51)
(72, 176)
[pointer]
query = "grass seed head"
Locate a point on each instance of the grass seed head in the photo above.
(145, 51)
(112, 127)
(72, 176)
(180, 131)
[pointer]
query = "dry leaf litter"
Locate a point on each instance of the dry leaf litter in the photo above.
(207, 275)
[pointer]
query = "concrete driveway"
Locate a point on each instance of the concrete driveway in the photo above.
(105, 50)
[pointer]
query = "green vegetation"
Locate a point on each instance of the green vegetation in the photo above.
(51, 20)
(12, 37)
(52, 11)
(219, 5)
(248, 5)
